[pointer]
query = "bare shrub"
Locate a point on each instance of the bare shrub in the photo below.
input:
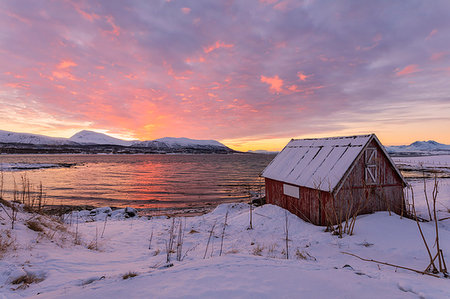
(93, 245)
(211, 232)
(180, 239)
(223, 232)
(157, 251)
(11, 212)
(169, 243)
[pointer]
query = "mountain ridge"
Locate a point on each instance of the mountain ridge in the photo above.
(420, 147)
(93, 142)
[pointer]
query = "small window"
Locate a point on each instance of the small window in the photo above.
(290, 190)
(371, 169)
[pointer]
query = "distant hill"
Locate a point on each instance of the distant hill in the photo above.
(429, 147)
(262, 152)
(94, 142)
(90, 137)
(26, 138)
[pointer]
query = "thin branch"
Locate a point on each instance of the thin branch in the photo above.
(392, 265)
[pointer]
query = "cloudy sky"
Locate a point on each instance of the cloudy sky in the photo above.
(252, 74)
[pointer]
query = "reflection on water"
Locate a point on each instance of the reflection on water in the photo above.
(142, 181)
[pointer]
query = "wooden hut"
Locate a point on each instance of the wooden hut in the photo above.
(325, 180)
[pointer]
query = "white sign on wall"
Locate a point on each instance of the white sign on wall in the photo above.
(291, 191)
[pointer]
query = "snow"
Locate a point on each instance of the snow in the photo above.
(12, 137)
(252, 265)
(173, 141)
(90, 137)
(27, 166)
(439, 163)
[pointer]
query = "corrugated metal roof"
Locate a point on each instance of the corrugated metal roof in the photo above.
(316, 163)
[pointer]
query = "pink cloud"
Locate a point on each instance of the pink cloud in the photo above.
(431, 34)
(276, 84)
(407, 70)
(438, 56)
(217, 45)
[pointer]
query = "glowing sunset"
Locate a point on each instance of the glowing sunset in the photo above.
(252, 74)
(224, 149)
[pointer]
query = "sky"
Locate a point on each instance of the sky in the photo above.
(251, 74)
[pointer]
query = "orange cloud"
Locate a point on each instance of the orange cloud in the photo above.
(302, 76)
(66, 64)
(64, 75)
(186, 10)
(412, 68)
(276, 84)
(293, 88)
(217, 45)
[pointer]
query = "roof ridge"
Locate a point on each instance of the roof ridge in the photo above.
(335, 137)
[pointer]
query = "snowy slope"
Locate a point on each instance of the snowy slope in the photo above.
(424, 147)
(90, 137)
(183, 142)
(252, 264)
(12, 137)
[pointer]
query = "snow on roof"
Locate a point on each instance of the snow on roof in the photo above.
(316, 163)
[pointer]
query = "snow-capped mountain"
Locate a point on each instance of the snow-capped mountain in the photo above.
(91, 137)
(420, 147)
(94, 142)
(27, 138)
(183, 142)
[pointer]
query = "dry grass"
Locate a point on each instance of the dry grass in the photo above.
(304, 255)
(129, 275)
(24, 281)
(6, 242)
(271, 250)
(258, 250)
(34, 225)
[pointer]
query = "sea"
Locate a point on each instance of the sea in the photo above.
(150, 183)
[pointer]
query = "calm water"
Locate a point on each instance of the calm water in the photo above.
(141, 181)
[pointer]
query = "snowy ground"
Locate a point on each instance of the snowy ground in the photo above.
(252, 265)
(88, 257)
(439, 164)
